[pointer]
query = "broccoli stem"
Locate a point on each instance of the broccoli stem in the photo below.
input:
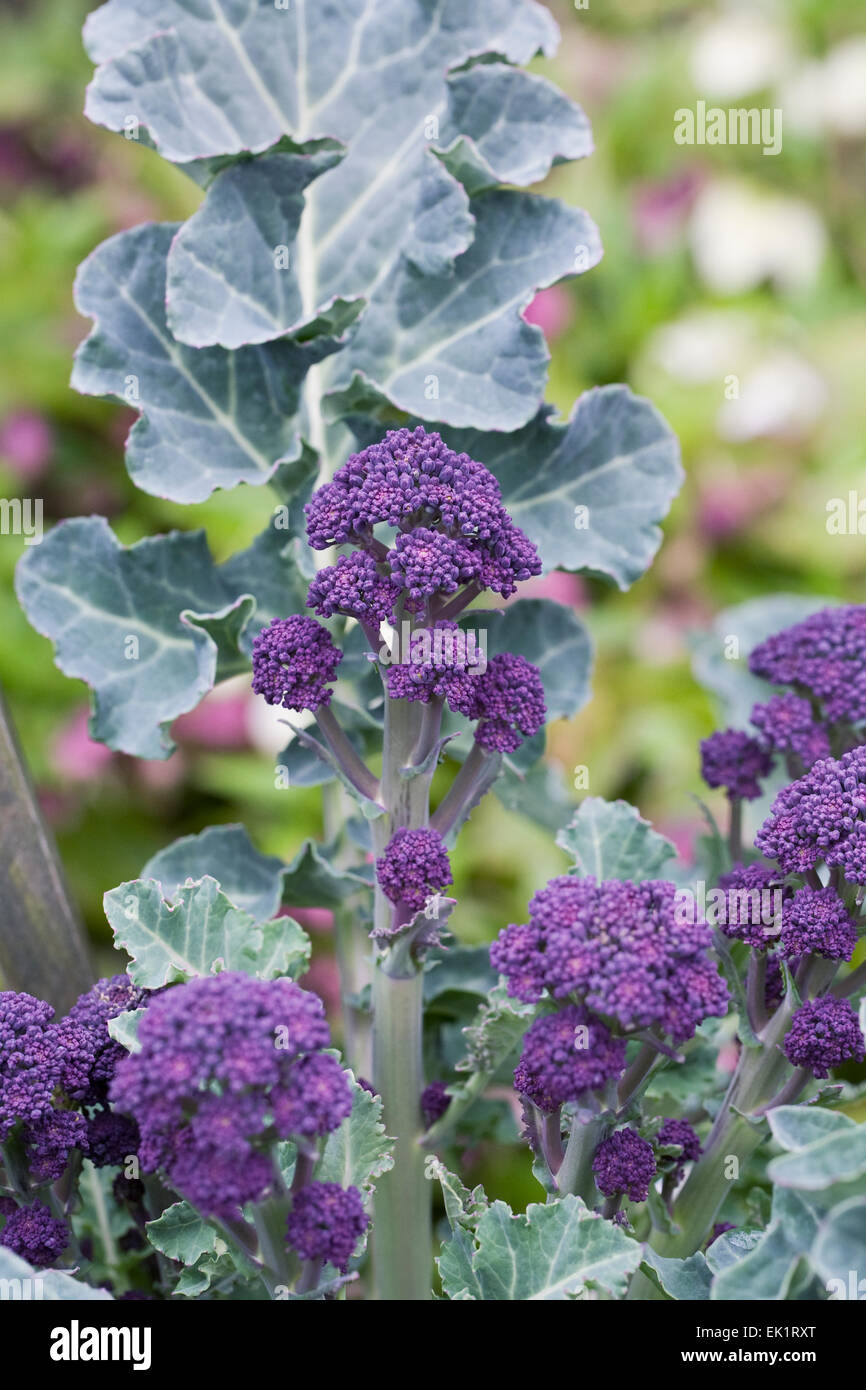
(402, 1214)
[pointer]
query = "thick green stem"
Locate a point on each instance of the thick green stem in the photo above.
(575, 1174)
(402, 1231)
(402, 1220)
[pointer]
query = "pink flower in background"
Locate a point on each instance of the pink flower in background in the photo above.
(158, 776)
(660, 210)
(682, 834)
(552, 310)
(730, 502)
(77, 757)
(323, 978)
(318, 919)
(568, 589)
(26, 443)
(218, 722)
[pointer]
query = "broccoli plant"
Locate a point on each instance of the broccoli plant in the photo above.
(340, 325)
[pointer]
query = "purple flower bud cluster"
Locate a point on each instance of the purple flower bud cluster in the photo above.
(566, 1054)
(619, 948)
(356, 586)
(294, 663)
(30, 1062)
(823, 656)
(92, 1011)
(437, 664)
(435, 1100)
(750, 897)
(815, 921)
(50, 1140)
(787, 724)
(624, 1165)
(680, 1132)
(447, 506)
(227, 1063)
(509, 703)
(735, 761)
(819, 817)
(34, 1234)
(414, 866)
(824, 1033)
(326, 1222)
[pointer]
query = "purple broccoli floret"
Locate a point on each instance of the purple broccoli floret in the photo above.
(824, 1033)
(356, 586)
(509, 703)
(816, 922)
(680, 1132)
(624, 1164)
(294, 663)
(34, 1234)
(414, 867)
(566, 1054)
(787, 723)
(733, 760)
(819, 817)
(326, 1222)
(824, 655)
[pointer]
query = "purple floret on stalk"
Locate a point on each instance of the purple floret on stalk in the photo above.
(326, 1222)
(787, 723)
(624, 1165)
(566, 1054)
(29, 1062)
(438, 664)
(816, 922)
(111, 1139)
(294, 663)
(50, 1142)
(219, 1056)
(435, 1100)
(355, 586)
(735, 761)
(34, 1234)
(680, 1132)
(819, 817)
(823, 1034)
(509, 703)
(91, 1013)
(426, 562)
(824, 655)
(414, 867)
(620, 948)
(753, 893)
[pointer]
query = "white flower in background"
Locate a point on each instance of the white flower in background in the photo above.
(737, 53)
(741, 236)
(829, 95)
(783, 395)
(700, 347)
(266, 727)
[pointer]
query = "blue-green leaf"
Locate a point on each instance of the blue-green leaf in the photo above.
(200, 933)
(610, 839)
(251, 880)
(51, 1285)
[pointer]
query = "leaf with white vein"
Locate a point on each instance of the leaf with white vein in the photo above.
(610, 839)
(455, 347)
(251, 880)
(200, 933)
(232, 275)
(508, 126)
(209, 418)
(151, 627)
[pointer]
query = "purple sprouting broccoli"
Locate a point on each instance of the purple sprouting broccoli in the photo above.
(225, 1063)
(509, 703)
(824, 1033)
(787, 724)
(620, 948)
(624, 1165)
(358, 586)
(50, 1141)
(111, 1139)
(326, 1222)
(815, 921)
(439, 662)
(435, 1100)
(823, 656)
(30, 1062)
(92, 1011)
(820, 817)
(754, 896)
(680, 1132)
(414, 867)
(566, 1054)
(295, 663)
(735, 761)
(453, 528)
(34, 1234)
